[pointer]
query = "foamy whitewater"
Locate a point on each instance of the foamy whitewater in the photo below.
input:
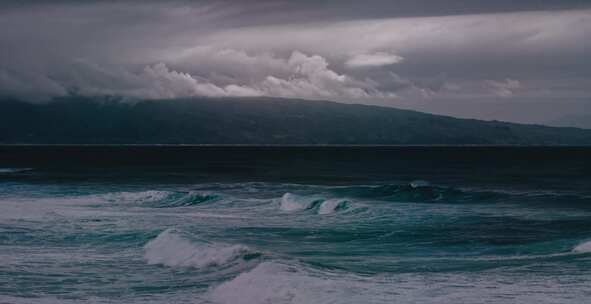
(387, 242)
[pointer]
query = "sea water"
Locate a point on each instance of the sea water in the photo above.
(107, 236)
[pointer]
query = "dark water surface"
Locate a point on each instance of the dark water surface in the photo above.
(207, 224)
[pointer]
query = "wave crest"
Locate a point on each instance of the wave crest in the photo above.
(332, 205)
(419, 184)
(290, 202)
(162, 199)
(171, 248)
(185, 200)
(583, 247)
(278, 282)
(269, 282)
(138, 197)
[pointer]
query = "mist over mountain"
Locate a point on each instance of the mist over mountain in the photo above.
(82, 120)
(573, 120)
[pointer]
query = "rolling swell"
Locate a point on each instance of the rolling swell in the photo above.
(162, 199)
(423, 192)
(277, 282)
(413, 192)
(272, 243)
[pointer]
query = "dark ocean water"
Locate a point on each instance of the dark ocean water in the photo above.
(186, 224)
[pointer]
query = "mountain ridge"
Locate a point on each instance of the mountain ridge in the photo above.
(256, 121)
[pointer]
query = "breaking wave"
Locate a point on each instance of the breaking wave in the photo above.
(583, 247)
(273, 282)
(171, 248)
(278, 282)
(291, 202)
(332, 205)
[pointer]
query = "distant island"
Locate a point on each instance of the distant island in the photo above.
(85, 120)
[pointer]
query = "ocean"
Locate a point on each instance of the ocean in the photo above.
(295, 224)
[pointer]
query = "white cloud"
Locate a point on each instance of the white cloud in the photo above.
(311, 77)
(207, 53)
(242, 91)
(299, 75)
(504, 88)
(373, 60)
(156, 81)
(230, 64)
(29, 86)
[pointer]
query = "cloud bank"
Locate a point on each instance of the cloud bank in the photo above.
(372, 60)
(532, 52)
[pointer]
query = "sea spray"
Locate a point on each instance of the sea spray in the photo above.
(171, 248)
(331, 206)
(583, 247)
(290, 202)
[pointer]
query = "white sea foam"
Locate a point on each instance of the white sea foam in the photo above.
(134, 197)
(271, 282)
(44, 208)
(172, 249)
(276, 282)
(583, 247)
(331, 206)
(291, 202)
(279, 282)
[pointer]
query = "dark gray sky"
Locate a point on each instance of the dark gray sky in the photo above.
(525, 61)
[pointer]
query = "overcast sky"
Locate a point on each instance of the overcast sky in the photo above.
(526, 61)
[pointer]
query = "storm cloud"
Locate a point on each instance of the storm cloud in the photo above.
(480, 59)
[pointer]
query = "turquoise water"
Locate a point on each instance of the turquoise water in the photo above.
(273, 242)
(152, 224)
